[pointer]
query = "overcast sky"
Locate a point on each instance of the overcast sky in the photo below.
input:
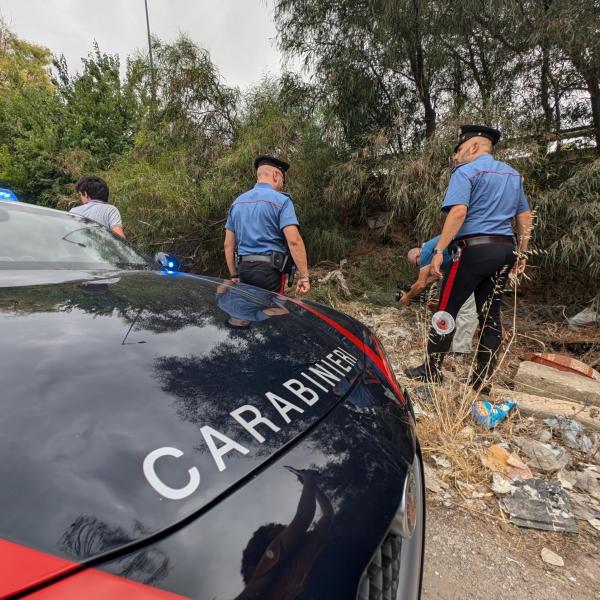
(239, 34)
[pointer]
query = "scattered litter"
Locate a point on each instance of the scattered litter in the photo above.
(584, 507)
(424, 393)
(498, 459)
(539, 504)
(338, 278)
(572, 433)
(441, 461)
(595, 523)
(432, 482)
(588, 481)
(543, 457)
(470, 491)
(585, 317)
(500, 486)
(343, 263)
(476, 504)
(488, 414)
(552, 558)
(566, 478)
(545, 436)
(419, 411)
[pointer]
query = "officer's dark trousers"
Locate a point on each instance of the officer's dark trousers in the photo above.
(262, 275)
(482, 270)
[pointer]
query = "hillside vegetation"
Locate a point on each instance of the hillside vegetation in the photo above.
(368, 127)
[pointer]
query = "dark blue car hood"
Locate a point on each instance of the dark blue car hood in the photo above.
(100, 372)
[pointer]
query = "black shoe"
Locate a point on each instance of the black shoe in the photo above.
(480, 378)
(484, 390)
(426, 373)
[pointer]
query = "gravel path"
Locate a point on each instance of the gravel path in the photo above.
(468, 558)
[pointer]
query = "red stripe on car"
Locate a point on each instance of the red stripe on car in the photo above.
(23, 568)
(379, 359)
(97, 585)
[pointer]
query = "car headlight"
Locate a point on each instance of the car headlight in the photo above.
(406, 516)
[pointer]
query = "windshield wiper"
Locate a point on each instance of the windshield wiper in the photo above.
(80, 244)
(132, 265)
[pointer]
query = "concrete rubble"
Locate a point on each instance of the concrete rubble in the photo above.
(541, 380)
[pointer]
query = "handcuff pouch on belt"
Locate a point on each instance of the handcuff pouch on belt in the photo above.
(284, 263)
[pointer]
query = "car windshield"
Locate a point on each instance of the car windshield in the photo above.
(38, 238)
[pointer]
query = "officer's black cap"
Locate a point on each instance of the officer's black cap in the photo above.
(265, 159)
(468, 131)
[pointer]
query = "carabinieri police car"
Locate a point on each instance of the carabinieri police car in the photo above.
(167, 435)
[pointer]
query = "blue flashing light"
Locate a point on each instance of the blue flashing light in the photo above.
(6, 194)
(170, 264)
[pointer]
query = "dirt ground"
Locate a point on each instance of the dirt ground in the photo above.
(472, 550)
(470, 557)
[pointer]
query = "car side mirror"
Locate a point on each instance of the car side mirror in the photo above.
(167, 261)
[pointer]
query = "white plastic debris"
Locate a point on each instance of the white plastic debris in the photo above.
(441, 461)
(543, 457)
(572, 433)
(585, 317)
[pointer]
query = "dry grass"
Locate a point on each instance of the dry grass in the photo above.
(445, 425)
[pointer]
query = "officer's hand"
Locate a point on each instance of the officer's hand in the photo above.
(303, 285)
(235, 280)
(436, 266)
(518, 267)
(405, 299)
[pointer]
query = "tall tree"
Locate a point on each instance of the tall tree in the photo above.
(373, 61)
(102, 110)
(28, 115)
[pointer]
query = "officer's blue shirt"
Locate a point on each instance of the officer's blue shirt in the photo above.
(258, 217)
(240, 306)
(426, 255)
(493, 193)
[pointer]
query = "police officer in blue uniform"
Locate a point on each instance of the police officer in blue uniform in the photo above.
(483, 197)
(263, 229)
(245, 306)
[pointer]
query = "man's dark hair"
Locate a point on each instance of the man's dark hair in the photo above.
(256, 547)
(95, 187)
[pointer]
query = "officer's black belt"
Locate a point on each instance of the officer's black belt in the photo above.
(479, 240)
(255, 258)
